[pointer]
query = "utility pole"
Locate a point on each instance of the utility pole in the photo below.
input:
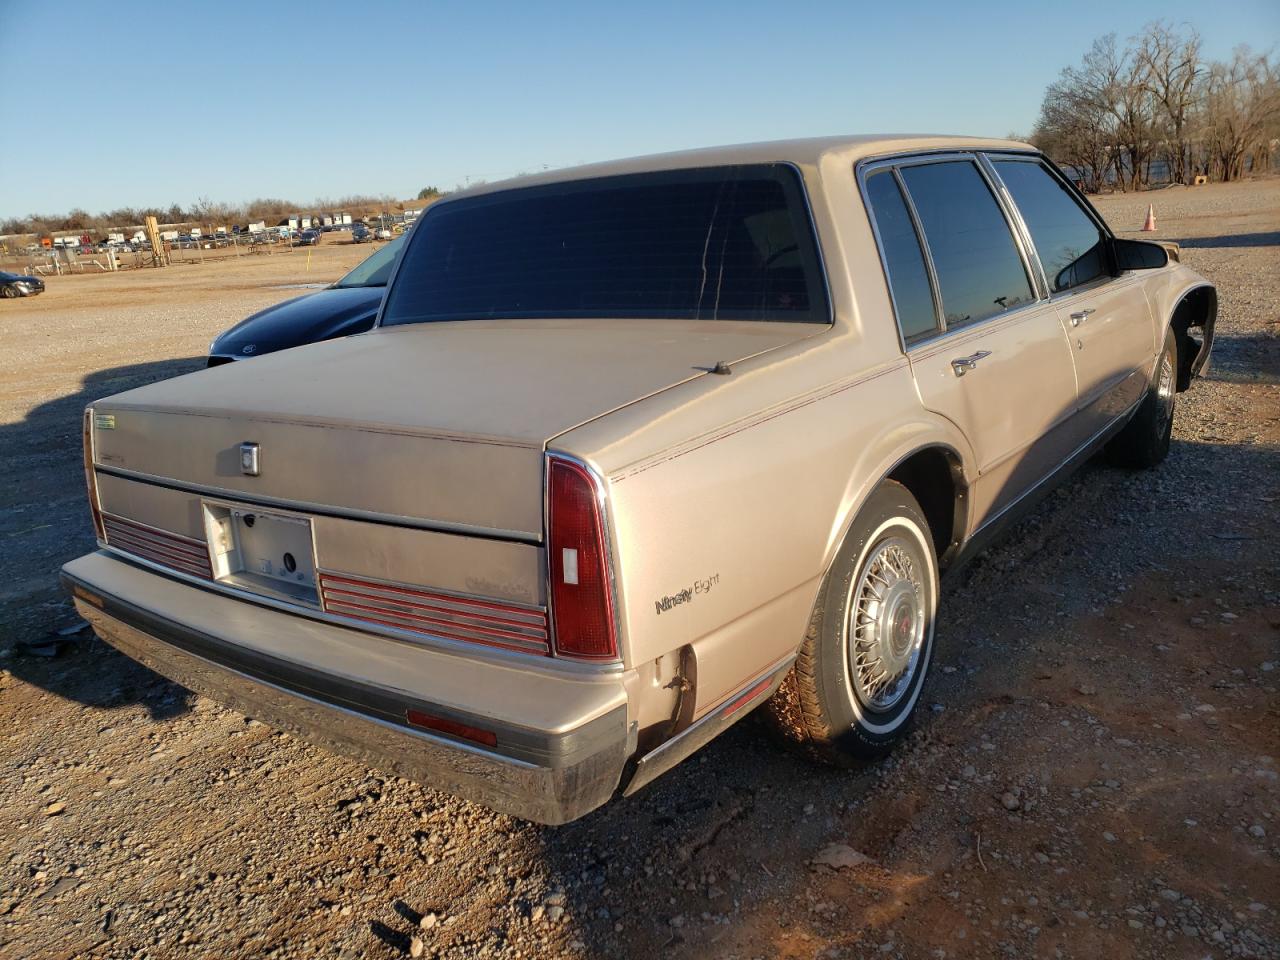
(159, 255)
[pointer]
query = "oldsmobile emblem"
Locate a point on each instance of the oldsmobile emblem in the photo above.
(249, 463)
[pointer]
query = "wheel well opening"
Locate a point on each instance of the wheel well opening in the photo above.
(934, 479)
(1198, 308)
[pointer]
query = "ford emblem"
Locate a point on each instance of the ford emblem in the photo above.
(250, 348)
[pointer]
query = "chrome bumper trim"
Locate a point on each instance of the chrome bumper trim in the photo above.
(527, 661)
(545, 777)
(702, 731)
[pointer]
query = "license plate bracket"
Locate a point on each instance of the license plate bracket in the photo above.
(269, 552)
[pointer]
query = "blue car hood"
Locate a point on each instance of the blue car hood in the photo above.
(329, 313)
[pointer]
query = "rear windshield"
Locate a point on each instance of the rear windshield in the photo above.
(723, 243)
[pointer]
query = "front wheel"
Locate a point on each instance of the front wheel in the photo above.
(1144, 440)
(9, 292)
(864, 659)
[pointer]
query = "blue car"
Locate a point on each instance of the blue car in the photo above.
(19, 285)
(348, 306)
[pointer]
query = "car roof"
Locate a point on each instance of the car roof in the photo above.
(807, 152)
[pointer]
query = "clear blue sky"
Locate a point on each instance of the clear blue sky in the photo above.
(113, 104)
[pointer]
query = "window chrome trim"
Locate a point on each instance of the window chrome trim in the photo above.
(884, 262)
(1082, 203)
(1021, 232)
(922, 348)
(1092, 288)
(864, 168)
(1081, 200)
(931, 271)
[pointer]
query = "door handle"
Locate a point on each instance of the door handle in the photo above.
(963, 365)
(1080, 316)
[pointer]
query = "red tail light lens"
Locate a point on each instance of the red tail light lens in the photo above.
(429, 721)
(90, 478)
(581, 591)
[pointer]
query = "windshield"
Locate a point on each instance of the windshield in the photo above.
(720, 243)
(373, 271)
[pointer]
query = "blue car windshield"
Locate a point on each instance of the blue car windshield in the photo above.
(374, 271)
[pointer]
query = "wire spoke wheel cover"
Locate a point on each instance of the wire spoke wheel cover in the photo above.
(888, 614)
(865, 657)
(1164, 393)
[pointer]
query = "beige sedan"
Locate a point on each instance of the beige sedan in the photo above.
(632, 447)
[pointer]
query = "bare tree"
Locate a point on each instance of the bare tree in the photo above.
(1171, 69)
(1119, 109)
(1075, 133)
(1107, 91)
(1240, 111)
(210, 212)
(269, 208)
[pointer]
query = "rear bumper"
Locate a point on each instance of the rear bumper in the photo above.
(551, 771)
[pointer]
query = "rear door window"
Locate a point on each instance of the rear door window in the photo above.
(1068, 241)
(903, 261)
(980, 272)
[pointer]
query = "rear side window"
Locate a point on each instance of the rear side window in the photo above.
(1068, 241)
(721, 243)
(903, 262)
(979, 270)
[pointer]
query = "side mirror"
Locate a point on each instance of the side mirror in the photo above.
(1138, 255)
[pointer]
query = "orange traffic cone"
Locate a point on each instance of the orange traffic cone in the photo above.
(1150, 225)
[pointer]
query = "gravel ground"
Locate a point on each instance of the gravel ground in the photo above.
(1096, 772)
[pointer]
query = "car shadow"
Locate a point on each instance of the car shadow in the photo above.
(708, 846)
(657, 874)
(44, 522)
(1253, 358)
(1260, 239)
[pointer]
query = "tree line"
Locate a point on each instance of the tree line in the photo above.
(1157, 102)
(203, 211)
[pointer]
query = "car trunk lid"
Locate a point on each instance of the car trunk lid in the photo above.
(439, 424)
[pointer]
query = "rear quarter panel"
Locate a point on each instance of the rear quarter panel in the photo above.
(730, 494)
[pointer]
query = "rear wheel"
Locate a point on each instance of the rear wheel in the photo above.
(1144, 441)
(863, 662)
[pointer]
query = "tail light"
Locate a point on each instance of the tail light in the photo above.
(581, 587)
(91, 478)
